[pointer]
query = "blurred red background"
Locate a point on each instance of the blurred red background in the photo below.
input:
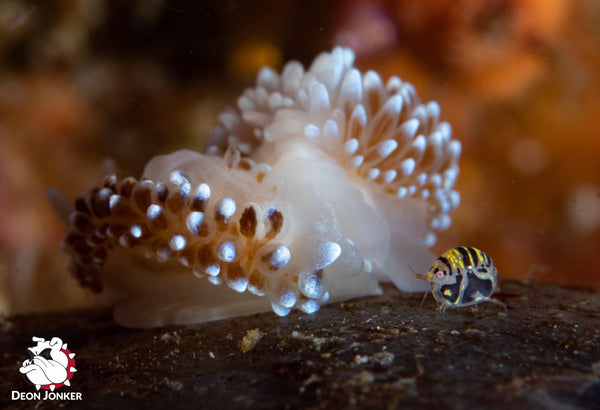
(519, 80)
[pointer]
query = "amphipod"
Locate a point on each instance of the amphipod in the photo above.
(462, 276)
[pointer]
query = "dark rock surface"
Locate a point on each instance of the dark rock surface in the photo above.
(379, 352)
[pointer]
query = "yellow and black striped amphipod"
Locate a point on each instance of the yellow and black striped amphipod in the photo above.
(462, 276)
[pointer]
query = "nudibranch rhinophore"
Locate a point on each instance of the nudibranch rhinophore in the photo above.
(317, 185)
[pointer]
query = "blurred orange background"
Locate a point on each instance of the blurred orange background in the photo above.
(519, 80)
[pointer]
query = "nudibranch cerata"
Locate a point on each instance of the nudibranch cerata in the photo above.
(318, 184)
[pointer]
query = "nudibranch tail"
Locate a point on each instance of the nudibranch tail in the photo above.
(225, 221)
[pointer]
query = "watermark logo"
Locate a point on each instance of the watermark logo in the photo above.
(50, 366)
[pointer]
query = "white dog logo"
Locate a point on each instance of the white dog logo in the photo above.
(50, 365)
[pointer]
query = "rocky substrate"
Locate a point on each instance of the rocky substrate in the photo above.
(377, 352)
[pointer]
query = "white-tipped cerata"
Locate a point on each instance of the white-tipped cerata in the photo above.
(316, 184)
(245, 227)
(399, 159)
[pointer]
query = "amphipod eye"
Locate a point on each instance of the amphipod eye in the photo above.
(462, 276)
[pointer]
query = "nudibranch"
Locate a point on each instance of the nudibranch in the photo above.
(317, 185)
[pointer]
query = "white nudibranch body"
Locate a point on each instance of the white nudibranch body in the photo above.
(317, 185)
